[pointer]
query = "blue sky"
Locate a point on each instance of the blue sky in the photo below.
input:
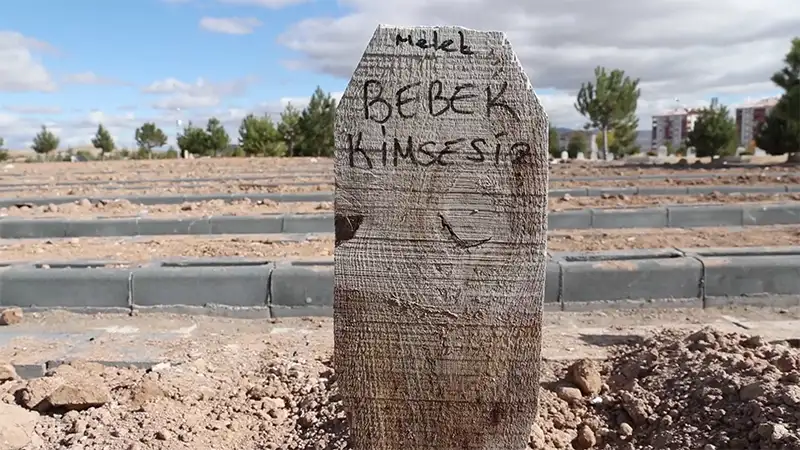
(142, 41)
(104, 58)
(74, 64)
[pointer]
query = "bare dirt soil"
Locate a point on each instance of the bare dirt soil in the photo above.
(736, 180)
(322, 183)
(568, 202)
(124, 208)
(281, 167)
(602, 240)
(133, 170)
(674, 379)
(174, 189)
(143, 249)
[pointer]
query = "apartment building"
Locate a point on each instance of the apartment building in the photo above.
(672, 127)
(750, 116)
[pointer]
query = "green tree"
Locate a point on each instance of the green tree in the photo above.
(609, 100)
(195, 140)
(780, 133)
(289, 127)
(171, 153)
(148, 137)
(316, 126)
(778, 136)
(259, 136)
(103, 141)
(45, 141)
(789, 76)
(625, 134)
(714, 132)
(218, 139)
(554, 145)
(3, 152)
(578, 143)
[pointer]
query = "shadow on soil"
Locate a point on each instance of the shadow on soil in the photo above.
(611, 340)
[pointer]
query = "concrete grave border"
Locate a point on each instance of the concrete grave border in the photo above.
(288, 197)
(289, 175)
(248, 287)
(675, 216)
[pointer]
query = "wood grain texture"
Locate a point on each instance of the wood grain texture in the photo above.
(440, 257)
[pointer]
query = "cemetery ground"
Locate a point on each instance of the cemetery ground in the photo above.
(640, 379)
(138, 250)
(613, 379)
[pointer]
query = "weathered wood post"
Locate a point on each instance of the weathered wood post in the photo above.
(441, 235)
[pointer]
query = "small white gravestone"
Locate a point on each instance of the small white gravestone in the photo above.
(441, 170)
(564, 156)
(580, 156)
(691, 152)
(661, 152)
(609, 156)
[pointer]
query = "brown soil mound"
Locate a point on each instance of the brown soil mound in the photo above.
(707, 390)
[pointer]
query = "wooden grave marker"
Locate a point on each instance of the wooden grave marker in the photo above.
(441, 171)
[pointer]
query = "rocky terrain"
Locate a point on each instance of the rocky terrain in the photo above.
(705, 390)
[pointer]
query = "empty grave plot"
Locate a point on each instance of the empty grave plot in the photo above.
(286, 185)
(569, 202)
(142, 250)
(620, 169)
(86, 209)
(675, 180)
(132, 170)
(643, 238)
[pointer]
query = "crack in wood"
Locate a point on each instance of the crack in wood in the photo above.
(461, 243)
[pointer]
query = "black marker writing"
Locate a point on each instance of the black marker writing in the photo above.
(408, 150)
(434, 99)
(445, 45)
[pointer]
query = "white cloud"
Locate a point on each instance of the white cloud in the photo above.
(230, 25)
(20, 70)
(679, 48)
(24, 109)
(18, 129)
(177, 94)
(90, 78)
(271, 4)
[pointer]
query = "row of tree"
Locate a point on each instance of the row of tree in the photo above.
(297, 133)
(609, 105)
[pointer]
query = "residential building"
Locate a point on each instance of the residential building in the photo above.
(750, 116)
(672, 127)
